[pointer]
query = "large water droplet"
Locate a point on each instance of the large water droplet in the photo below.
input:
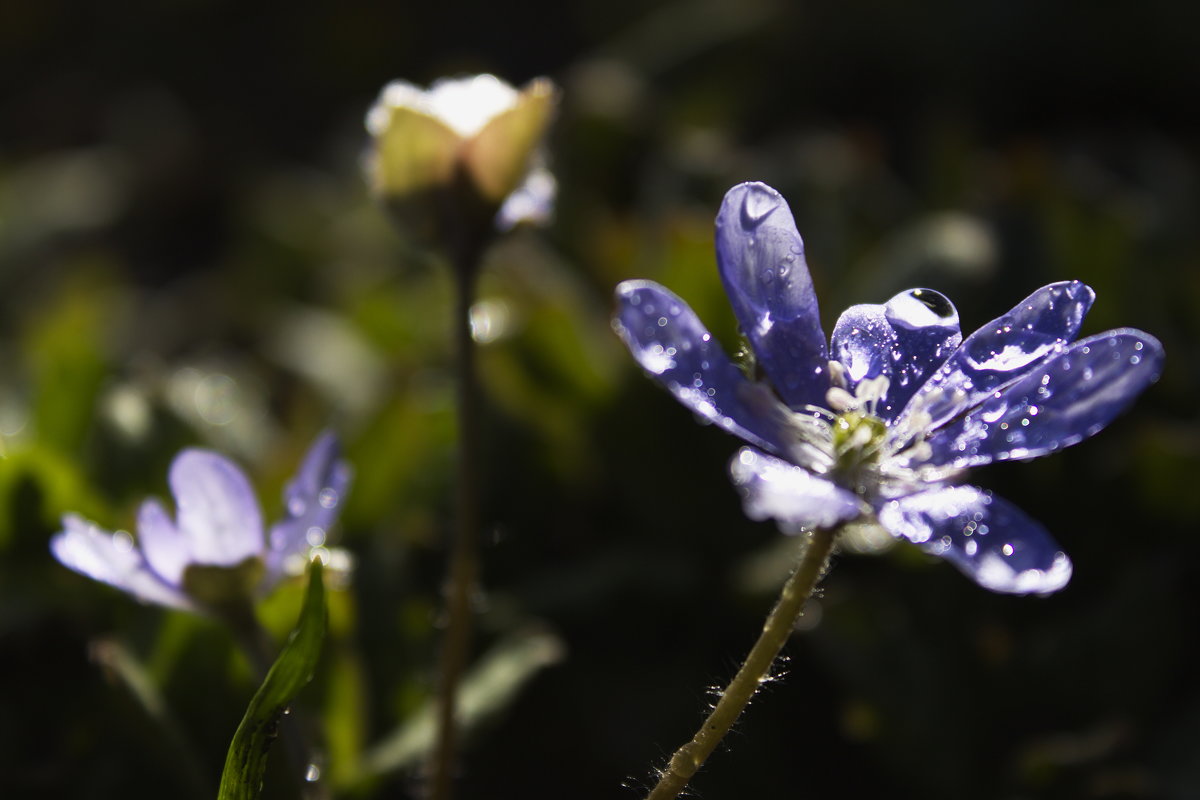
(757, 206)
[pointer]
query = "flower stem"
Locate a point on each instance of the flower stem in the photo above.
(779, 625)
(463, 573)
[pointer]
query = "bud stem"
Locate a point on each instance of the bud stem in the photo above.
(779, 625)
(463, 574)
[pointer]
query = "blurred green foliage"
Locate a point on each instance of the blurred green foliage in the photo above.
(188, 256)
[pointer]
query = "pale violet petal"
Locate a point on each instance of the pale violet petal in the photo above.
(671, 343)
(217, 509)
(760, 256)
(532, 202)
(1062, 401)
(166, 549)
(312, 501)
(113, 559)
(795, 498)
(990, 540)
(1002, 351)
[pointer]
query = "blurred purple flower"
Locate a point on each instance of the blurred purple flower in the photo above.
(218, 524)
(882, 424)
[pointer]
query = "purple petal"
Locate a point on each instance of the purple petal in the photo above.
(795, 498)
(1062, 401)
(905, 340)
(671, 343)
(112, 559)
(217, 509)
(927, 333)
(312, 501)
(167, 550)
(761, 259)
(1006, 348)
(862, 341)
(987, 538)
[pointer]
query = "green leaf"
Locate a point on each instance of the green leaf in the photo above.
(247, 758)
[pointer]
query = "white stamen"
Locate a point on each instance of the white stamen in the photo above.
(840, 400)
(871, 391)
(837, 374)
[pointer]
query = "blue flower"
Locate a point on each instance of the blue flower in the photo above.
(882, 424)
(218, 524)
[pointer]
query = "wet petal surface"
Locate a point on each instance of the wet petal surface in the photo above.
(1060, 402)
(905, 340)
(217, 509)
(112, 559)
(1005, 349)
(312, 501)
(671, 343)
(988, 539)
(795, 498)
(760, 256)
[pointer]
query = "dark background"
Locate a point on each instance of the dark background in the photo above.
(188, 255)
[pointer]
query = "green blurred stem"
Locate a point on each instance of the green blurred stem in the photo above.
(463, 574)
(756, 669)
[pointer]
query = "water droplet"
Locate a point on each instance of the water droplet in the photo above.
(662, 322)
(315, 536)
(991, 415)
(296, 505)
(757, 206)
(1135, 360)
(328, 498)
(312, 774)
(1137, 345)
(1007, 549)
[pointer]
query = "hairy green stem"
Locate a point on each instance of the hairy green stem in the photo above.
(463, 577)
(779, 625)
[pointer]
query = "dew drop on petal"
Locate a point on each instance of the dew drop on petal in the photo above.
(757, 206)
(993, 414)
(328, 498)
